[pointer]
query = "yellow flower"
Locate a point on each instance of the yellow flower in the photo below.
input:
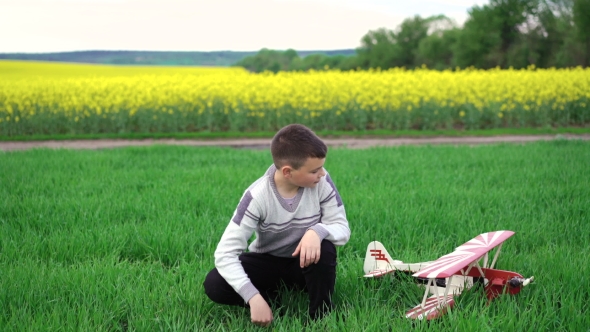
(94, 93)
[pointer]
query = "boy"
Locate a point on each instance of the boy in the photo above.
(298, 217)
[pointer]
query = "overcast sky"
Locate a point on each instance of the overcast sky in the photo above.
(205, 25)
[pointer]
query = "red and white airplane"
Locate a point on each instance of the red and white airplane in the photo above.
(449, 275)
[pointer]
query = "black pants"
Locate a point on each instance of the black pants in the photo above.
(268, 272)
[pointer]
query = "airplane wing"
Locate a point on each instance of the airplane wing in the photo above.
(463, 255)
(434, 307)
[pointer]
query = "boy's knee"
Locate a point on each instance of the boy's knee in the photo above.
(212, 285)
(207, 284)
(327, 253)
(219, 291)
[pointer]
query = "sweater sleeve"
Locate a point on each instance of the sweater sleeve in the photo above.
(233, 242)
(333, 225)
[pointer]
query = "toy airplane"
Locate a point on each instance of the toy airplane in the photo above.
(449, 275)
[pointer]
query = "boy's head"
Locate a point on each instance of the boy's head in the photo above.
(294, 144)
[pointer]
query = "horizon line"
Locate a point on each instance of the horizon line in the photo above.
(173, 51)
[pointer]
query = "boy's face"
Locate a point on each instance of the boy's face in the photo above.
(309, 174)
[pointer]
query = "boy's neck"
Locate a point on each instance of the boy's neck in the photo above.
(285, 188)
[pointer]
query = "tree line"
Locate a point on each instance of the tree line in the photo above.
(159, 58)
(503, 33)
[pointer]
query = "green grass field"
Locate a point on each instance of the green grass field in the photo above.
(322, 133)
(115, 240)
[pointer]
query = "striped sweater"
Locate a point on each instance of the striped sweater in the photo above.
(278, 226)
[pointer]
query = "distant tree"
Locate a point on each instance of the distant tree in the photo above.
(314, 61)
(508, 16)
(581, 17)
(394, 48)
(560, 45)
(270, 60)
(349, 63)
(333, 62)
(296, 64)
(378, 49)
(436, 50)
(289, 60)
(490, 31)
(504, 33)
(408, 36)
(551, 23)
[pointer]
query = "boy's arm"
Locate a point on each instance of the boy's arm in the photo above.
(333, 225)
(233, 242)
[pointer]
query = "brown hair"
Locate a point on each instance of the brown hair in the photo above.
(293, 144)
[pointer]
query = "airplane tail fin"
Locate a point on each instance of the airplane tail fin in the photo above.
(377, 260)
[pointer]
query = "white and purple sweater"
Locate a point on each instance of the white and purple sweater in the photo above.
(278, 226)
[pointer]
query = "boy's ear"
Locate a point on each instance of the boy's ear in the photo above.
(286, 171)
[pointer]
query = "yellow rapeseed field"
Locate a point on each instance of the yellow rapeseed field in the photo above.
(51, 98)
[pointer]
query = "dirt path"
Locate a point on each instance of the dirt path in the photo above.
(355, 143)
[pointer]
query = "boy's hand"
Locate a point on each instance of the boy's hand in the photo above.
(309, 249)
(260, 312)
